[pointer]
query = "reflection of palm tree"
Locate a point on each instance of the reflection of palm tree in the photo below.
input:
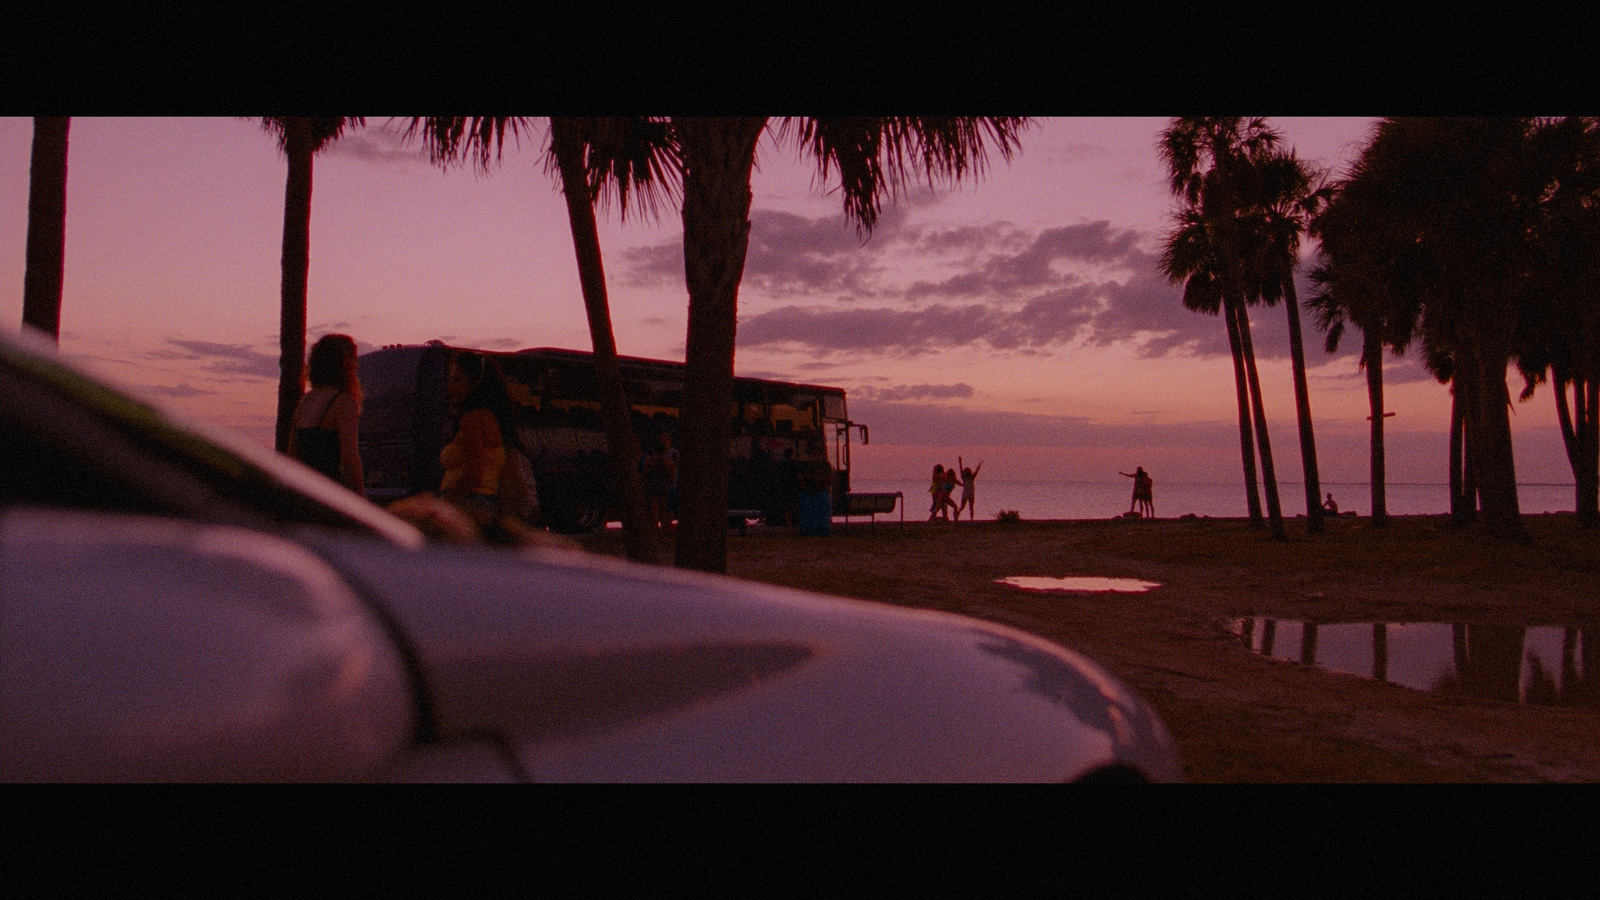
(47, 226)
(1493, 662)
(1585, 689)
(1308, 643)
(1542, 687)
(300, 138)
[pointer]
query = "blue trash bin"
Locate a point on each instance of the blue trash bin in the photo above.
(816, 514)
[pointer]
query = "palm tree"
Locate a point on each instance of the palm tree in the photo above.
(1372, 282)
(1284, 203)
(1208, 160)
(872, 158)
(47, 226)
(1441, 207)
(1559, 333)
(594, 158)
(300, 138)
(1337, 303)
(1192, 257)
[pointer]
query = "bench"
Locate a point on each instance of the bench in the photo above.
(872, 504)
(740, 518)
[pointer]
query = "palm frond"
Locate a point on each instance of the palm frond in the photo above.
(874, 158)
(455, 139)
(632, 161)
(324, 129)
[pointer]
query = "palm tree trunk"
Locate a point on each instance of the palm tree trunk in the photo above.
(47, 226)
(1588, 474)
(1578, 434)
(1372, 355)
(1247, 444)
(1496, 465)
(1463, 489)
(718, 157)
(299, 147)
(1302, 406)
(1269, 480)
(622, 445)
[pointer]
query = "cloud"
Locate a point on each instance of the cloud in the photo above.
(1050, 318)
(895, 422)
(221, 359)
(1409, 370)
(1002, 286)
(380, 146)
(1034, 267)
(791, 254)
(655, 265)
(913, 392)
(177, 390)
(503, 343)
(787, 254)
(967, 239)
(1076, 151)
(877, 329)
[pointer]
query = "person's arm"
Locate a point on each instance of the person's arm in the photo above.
(347, 421)
(978, 469)
(1128, 474)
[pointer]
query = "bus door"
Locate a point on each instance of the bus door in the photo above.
(841, 462)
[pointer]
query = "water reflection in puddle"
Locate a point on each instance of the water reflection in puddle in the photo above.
(1079, 583)
(1543, 665)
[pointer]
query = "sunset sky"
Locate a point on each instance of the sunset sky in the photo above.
(1019, 318)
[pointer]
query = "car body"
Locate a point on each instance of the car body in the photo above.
(177, 604)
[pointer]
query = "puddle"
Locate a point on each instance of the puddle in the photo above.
(1542, 665)
(1079, 583)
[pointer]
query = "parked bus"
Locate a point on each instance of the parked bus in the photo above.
(784, 433)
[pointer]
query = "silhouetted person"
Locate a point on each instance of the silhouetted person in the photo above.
(1143, 493)
(660, 476)
(326, 424)
(947, 489)
(969, 490)
(1330, 506)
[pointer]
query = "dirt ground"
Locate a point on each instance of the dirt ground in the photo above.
(1237, 716)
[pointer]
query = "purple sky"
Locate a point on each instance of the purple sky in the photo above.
(1018, 318)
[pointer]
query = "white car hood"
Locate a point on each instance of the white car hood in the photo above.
(594, 669)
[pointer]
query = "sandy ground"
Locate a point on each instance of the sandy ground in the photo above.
(1238, 716)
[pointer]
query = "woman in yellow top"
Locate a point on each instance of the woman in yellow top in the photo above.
(474, 457)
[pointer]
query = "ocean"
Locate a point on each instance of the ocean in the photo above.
(1101, 500)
